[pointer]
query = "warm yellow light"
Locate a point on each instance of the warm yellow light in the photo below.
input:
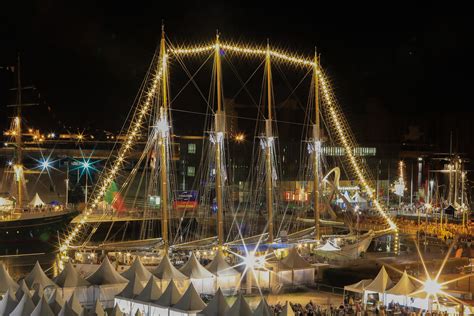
(239, 137)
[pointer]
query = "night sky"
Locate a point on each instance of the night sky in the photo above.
(407, 63)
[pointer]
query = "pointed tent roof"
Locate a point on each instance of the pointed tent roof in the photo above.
(6, 281)
(106, 274)
(8, 303)
(194, 269)
(56, 302)
(37, 276)
(294, 261)
(25, 307)
(73, 305)
(98, 309)
(190, 301)
(138, 313)
(287, 310)
(116, 311)
(263, 309)
(23, 289)
(358, 287)
(69, 277)
(381, 282)
(220, 267)
(42, 309)
(36, 201)
(328, 246)
(170, 296)
(240, 307)
(166, 271)
(348, 198)
(403, 287)
(133, 288)
(217, 306)
(151, 292)
(38, 294)
(139, 269)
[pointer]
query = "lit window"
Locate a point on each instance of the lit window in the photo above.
(191, 148)
(191, 171)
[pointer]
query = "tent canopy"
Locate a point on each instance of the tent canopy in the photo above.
(358, 287)
(240, 307)
(36, 201)
(381, 282)
(37, 276)
(263, 309)
(42, 309)
(8, 303)
(151, 292)
(137, 270)
(357, 198)
(294, 261)
(166, 271)
(170, 296)
(24, 307)
(190, 301)
(194, 269)
(220, 267)
(328, 246)
(133, 288)
(6, 281)
(403, 287)
(217, 306)
(106, 274)
(69, 277)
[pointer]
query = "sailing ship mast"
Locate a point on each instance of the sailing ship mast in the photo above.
(219, 126)
(317, 149)
(163, 128)
(18, 167)
(269, 143)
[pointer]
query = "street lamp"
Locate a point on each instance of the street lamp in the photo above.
(86, 165)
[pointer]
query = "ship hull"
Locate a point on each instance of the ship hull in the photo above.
(31, 231)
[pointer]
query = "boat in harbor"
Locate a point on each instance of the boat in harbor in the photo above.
(25, 220)
(141, 201)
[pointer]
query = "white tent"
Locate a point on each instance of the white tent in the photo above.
(8, 303)
(203, 280)
(240, 308)
(400, 291)
(263, 309)
(116, 311)
(217, 306)
(358, 287)
(227, 278)
(36, 201)
(294, 270)
(23, 289)
(38, 277)
(6, 281)
(348, 198)
(328, 246)
(56, 302)
(165, 272)
(189, 304)
(69, 280)
(42, 309)
(137, 270)
(71, 307)
(124, 298)
(149, 294)
(381, 283)
(168, 299)
(25, 307)
(107, 283)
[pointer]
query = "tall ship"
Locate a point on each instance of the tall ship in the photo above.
(144, 212)
(24, 217)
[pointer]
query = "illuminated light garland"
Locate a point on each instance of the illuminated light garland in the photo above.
(109, 176)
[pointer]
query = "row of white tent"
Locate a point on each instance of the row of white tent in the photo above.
(36, 201)
(151, 301)
(404, 292)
